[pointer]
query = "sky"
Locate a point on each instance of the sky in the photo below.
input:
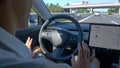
(64, 2)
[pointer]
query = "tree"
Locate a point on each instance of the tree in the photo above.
(67, 4)
(55, 8)
(32, 11)
(83, 11)
(57, 4)
(111, 10)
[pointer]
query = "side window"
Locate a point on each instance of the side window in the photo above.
(33, 18)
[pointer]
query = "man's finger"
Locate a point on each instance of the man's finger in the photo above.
(93, 54)
(27, 41)
(80, 51)
(86, 49)
(73, 61)
(30, 42)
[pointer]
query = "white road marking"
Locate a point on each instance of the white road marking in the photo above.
(86, 18)
(115, 22)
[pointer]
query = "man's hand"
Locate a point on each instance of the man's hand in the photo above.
(29, 43)
(35, 50)
(84, 59)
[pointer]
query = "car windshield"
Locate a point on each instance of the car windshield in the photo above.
(87, 11)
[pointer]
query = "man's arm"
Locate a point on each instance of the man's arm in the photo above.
(83, 60)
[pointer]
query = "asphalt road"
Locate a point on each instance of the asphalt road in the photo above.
(101, 19)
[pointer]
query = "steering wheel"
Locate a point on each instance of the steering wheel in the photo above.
(60, 38)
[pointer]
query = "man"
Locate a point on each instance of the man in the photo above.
(14, 53)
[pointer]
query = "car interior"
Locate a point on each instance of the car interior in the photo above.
(58, 36)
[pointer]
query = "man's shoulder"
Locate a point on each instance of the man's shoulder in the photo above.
(10, 43)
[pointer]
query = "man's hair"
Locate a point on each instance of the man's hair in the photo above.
(2, 2)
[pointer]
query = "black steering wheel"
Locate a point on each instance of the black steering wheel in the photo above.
(60, 38)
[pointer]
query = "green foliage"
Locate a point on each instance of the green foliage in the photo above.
(67, 4)
(32, 11)
(111, 10)
(54, 8)
(83, 11)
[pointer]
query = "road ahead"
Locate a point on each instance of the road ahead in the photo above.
(101, 19)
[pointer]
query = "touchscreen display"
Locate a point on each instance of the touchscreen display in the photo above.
(105, 36)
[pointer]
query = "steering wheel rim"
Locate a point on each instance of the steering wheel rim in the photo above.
(47, 22)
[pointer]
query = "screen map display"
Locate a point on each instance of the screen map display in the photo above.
(105, 36)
